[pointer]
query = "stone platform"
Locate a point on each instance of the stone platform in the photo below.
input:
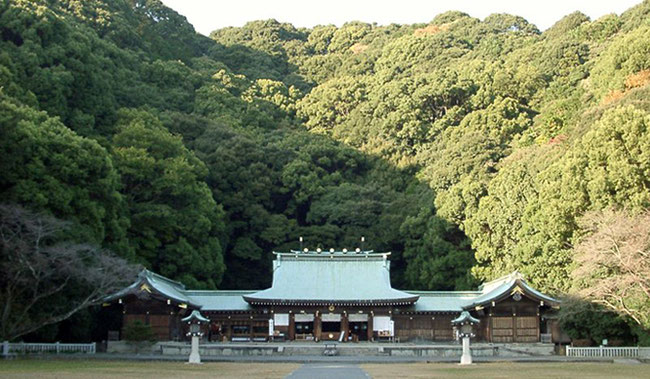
(351, 349)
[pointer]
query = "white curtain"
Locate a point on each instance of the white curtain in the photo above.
(281, 319)
(330, 317)
(304, 317)
(358, 317)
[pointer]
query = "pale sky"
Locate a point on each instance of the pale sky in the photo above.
(208, 15)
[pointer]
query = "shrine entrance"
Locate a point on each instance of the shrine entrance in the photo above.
(304, 326)
(358, 327)
(305, 330)
(330, 326)
(358, 331)
(515, 329)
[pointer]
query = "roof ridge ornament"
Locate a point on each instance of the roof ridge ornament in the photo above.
(517, 275)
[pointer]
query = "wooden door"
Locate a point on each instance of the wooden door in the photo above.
(527, 329)
(502, 329)
(515, 329)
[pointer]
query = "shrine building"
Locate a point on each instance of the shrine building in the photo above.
(343, 296)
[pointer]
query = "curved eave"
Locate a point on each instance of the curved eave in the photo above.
(507, 292)
(135, 289)
(178, 300)
(309, 302)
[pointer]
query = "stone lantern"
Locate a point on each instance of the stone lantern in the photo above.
(194, 320)
(465, 324)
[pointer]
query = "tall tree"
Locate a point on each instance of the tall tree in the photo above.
(613, 263)
(176, 225)
(48, 167)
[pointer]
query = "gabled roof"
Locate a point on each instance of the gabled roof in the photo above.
(506, 286)
(153, 283)
(355, 278)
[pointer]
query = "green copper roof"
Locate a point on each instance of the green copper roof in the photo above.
(151, 283)
(331, 277)
(506, 286)
(220, 300)
(344, 278)
(443, 301)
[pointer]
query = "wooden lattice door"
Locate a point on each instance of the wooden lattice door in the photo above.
(502, 329)
(515, 329)
(526, 329)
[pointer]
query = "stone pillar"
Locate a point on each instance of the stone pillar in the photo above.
(195, 357)
(466, 358)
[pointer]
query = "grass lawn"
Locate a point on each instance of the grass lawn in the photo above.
(508, 370)
(97, 369)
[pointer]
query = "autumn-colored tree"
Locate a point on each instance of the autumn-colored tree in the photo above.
(613, 263)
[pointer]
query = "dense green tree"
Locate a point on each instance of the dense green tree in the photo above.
(47, 167)
(436, 141)
(437, 253)
(175, 223)
(626, 55)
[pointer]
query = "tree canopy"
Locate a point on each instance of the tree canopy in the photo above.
(469, 148)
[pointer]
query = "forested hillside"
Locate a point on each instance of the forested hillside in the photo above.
(469, 148)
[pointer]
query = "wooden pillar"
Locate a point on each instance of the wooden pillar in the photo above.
(370, 325)
(409, 322)
(345, 326)
(318, 328)
(488, 333)
(228, 326)
(169, 325)
(250, 327)
(292, 327)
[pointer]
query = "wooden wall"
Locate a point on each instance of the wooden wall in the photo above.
(428, 327)
(163, 318)
(507, 321)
